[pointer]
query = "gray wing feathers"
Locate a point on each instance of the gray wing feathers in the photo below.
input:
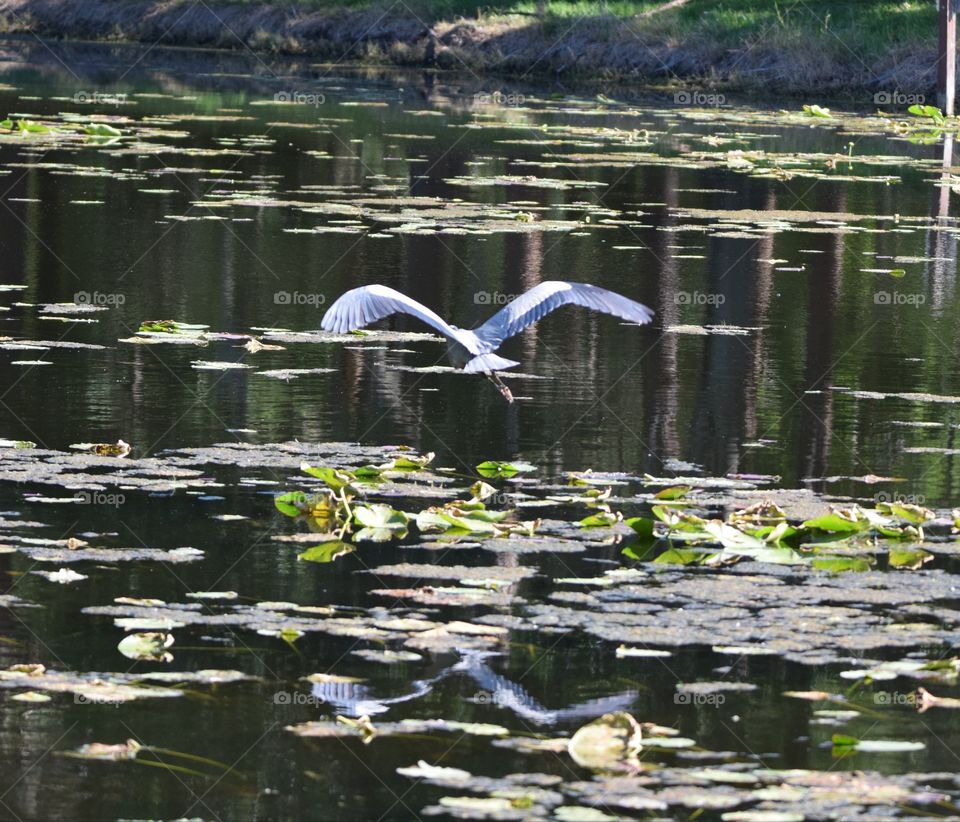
(547, 296)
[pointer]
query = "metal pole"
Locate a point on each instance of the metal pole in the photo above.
(947, 64)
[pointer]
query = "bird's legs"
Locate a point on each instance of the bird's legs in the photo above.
(501, 387)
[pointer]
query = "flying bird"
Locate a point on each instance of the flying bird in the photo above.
(475, 350)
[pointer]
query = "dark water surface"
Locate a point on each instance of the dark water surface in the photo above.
(144, 232)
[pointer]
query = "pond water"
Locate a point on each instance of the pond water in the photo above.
(802, 271)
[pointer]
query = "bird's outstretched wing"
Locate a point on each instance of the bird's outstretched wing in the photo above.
(545, 297)
(367, 304)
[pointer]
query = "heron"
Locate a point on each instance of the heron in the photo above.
(474, 350)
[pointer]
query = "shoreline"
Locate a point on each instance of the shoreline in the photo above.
(651, 51)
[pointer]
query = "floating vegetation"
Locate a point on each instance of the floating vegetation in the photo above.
(94, 688)
(104, 449)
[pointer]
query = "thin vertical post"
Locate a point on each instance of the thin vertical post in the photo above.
(947, 64)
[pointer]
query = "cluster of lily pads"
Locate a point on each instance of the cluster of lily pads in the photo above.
(763, 532)
(332, 509)
(843, 539)
(25, 127)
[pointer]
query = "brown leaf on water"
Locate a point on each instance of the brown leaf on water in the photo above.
(811, 696)
(926, 701)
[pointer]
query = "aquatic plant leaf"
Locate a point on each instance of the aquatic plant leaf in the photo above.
(386, 656)
(475, 807)
(843, 742)
(774, 536)
(624, 651)
(424, 770)
(816, 111)
(679, 520)
(840, 564)
(604, 519)
(732, 538)
(31, 696)
(439, 519)
(838, 521)
(62, 575)
(641, 553)
(494, 468)
(380, 534)
(380, 516)
(581, 813)
(683, 556)
(475, 510)
(104, 449)
(480, 490)
(333, 679)
(411, 463)
(17, 444)
(319, 507)
(327, 552)
(907, 558)
(642, 525)
(293, 503)
(930, 112)
(219, 365)
(32, 127)
(915, 514)
(106, 752)
(171, 327)
(673, 493)
(101, 130)
(333, 477)
(370, 473)
(146, 646)
(366, 730)
(760, 513)
(607, 743)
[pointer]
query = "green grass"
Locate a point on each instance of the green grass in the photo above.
(864, 27)
(903, 19)
(803, 46)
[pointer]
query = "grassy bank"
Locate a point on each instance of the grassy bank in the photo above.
(799, 46)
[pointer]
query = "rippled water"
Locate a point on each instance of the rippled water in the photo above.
(817, 320)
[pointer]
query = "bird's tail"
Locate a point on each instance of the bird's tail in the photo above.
(488, 362)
